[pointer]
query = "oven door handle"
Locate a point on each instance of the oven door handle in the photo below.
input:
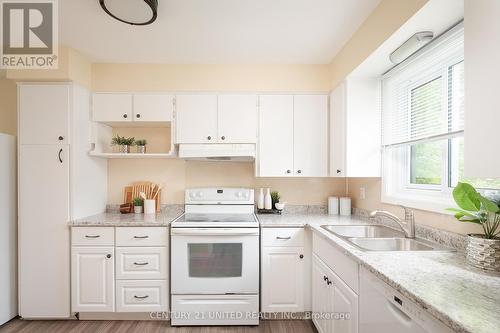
(215, 231)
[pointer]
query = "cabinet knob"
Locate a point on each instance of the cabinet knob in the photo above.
(209, 138)
(338, 171)
(301, 256)
(61, 138)
(288, 171)
(328, 282)
(299, 171)
(138, 115)
(325, 278)
(108, 256)
(125, 115)
(223, 137)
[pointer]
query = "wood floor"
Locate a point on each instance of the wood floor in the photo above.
(93, 326)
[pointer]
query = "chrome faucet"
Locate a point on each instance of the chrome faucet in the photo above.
(408, 225)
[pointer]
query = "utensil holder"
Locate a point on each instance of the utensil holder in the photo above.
(149, 206)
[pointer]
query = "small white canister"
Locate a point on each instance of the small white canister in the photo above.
(149, 206)
(345, 206)
(333, 206)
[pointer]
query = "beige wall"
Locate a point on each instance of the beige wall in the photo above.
(163, 77)
(386, 19)
(177, 175)
(8, 106)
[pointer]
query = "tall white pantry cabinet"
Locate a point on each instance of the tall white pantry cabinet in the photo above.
(58, 181)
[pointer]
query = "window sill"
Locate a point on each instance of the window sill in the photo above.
(431, 203)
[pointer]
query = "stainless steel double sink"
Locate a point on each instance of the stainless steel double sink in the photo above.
(380, 238)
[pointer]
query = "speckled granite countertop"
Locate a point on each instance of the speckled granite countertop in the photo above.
(465, 299)
(126, 220)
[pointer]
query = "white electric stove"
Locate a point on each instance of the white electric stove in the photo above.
(215, 259)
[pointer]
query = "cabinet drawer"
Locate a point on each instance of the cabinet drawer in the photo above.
(343, 266)
(283, 237)
(141, 263)
(141, 296)
(92, 236)
(141, 236)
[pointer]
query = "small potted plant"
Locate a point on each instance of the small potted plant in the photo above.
(123, 143)
(138, 202)
(483, 250)
(275, 198)
(141, 146)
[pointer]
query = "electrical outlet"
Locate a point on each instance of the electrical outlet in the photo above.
(362, 193)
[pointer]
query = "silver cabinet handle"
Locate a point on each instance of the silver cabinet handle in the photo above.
(92, 236)
(299, 171)
(141, 297)
(141, 237)
(141, 263)
(284, 238)
(288, 171)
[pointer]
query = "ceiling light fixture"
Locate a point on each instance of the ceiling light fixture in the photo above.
(134, 12)
(412, 45)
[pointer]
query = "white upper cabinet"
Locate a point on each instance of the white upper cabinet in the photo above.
(310, 133)
(196, 118)
(48, 105)
(153, 107)
(237, 118)
(355, 129)
(293, 136)
(107, 107)
(125, 107)
(210, 118)
(275, 152)
(482, 70)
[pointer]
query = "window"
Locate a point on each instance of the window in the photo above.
(423, 126)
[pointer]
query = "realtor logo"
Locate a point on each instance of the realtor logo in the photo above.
(29, 34)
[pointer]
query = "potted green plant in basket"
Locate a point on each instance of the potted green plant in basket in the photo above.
(483, 250)
(123, 143)
(138, 202)
(141, 146)
(275, 197)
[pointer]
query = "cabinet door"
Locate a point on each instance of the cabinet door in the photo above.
(310, 157)
(44, 260)
(92, 279)
(108, 107)
(283, 279)
(343, 302)
(237, 118)
(196, 118)
(153, 107)
(275, 155)
(337, 131)
(44, 114)
(319, 295)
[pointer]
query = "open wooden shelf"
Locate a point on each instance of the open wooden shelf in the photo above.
(134, 155)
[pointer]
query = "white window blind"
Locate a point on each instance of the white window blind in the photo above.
(422, 98)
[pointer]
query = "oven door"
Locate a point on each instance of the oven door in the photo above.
(215, 260)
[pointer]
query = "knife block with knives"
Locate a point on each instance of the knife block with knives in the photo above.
(152, 191)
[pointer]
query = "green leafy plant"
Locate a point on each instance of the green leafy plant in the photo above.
(122, 141)
(141, 142)
(275, 197)
(137, 201)
(475, 208)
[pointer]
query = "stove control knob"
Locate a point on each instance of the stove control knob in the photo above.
(238, 194)
(199, 194)
(245, 195)
(192, 195)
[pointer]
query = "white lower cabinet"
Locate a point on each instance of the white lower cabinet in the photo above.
(334, 304)
(283, 270)
(141, 296)
(283, 279)
(92, 279)
(133, 276)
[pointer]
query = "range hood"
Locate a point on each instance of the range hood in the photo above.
(243, 152)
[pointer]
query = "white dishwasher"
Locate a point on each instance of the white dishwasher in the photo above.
(384, 310)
